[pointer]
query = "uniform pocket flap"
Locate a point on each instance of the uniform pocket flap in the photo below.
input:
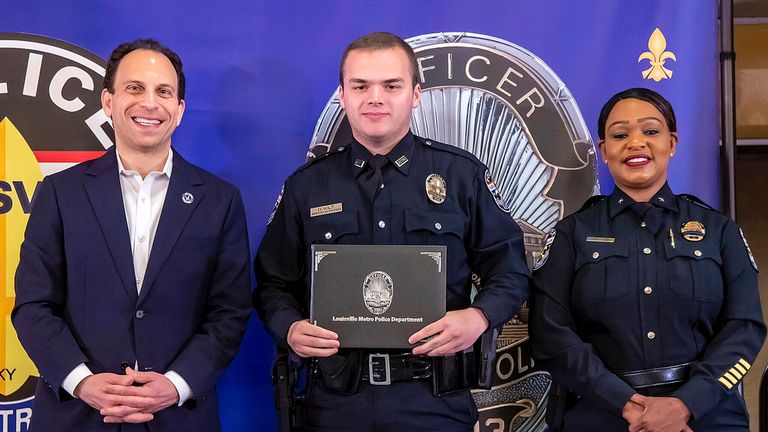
(328, 228)
(594, 251)
(435, 222)
(693, 250)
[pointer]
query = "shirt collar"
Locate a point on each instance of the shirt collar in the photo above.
(400, 155)
(167, 167)
(664, 198)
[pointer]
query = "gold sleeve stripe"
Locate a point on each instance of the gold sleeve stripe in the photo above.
(731, 378)
(726, 383)
(740, 368)
(745, 364)
(736, 373)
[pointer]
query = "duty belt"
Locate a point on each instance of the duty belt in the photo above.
(657, 376)
(384, 369)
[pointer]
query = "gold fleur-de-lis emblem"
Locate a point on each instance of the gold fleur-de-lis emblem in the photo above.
(657, 55)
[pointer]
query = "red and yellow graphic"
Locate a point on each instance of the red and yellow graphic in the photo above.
(19, 173)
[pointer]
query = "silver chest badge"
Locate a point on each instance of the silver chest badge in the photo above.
(436, 190)
(378, 291)
(187, 198)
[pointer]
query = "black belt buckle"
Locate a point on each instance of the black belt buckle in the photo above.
(378, 369)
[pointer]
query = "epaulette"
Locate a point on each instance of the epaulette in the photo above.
(594, 199)
(437, 145)
(312, 159)
(696, 200)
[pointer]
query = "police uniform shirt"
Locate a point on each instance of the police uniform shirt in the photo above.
(480, 236)
(612, 296)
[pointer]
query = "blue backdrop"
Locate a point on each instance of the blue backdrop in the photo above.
(259, 74)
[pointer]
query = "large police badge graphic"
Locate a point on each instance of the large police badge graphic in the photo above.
(378, 290)
(506, 106)
(50, 119)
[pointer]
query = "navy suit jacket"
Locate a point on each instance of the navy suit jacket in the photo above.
(77, 302)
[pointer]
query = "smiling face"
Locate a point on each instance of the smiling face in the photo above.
(378, 96)
(637, 147)
(144, 107)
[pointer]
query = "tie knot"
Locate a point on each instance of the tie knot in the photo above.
(377, 161)
(641, 208)
(649, 213)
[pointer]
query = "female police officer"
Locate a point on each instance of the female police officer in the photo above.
(646, 309)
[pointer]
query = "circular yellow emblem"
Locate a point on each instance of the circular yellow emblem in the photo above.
(435, 188)
(693, 231)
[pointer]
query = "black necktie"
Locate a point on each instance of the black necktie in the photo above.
(649, 213)
(372, 177)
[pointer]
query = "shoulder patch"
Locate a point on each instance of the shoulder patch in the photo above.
(542, 259)
(694, 199)
(495, 192)
(749, 251)
(277, 204)
(594, 199)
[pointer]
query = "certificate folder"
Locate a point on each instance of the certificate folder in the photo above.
(376, 296)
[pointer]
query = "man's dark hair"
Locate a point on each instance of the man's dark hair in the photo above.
(378, 41)
(142, 44)
(644, 94)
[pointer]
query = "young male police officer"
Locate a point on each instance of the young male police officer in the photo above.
(133, 288)
(385, 182)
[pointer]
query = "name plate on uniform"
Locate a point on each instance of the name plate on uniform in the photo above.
(376, 296)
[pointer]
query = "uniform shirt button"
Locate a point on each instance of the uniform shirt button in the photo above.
(438, 225)
(647, 251)
(382, 224)
(142, 238)
(642, 224)
(697, 253)
(595, 255)
(140, 313)
(651, 335)
(382, 186)
(648, 290)
(328, 236)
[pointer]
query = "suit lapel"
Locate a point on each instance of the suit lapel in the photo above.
(185, 192)
(106, 198)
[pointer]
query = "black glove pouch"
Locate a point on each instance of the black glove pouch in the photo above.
(341, 372)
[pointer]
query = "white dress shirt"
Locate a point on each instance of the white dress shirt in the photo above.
(143, 200)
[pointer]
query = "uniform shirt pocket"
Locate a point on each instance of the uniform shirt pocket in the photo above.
(600, 272)
(695, 270)
(329, 229)
(424, 227)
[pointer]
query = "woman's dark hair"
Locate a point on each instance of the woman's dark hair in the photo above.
(644, 94)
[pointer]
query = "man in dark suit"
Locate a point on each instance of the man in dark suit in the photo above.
(133, 283)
